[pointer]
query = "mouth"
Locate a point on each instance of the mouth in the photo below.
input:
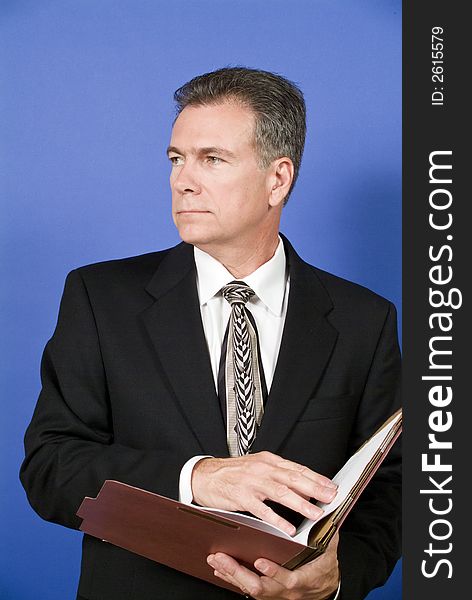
(192, 212)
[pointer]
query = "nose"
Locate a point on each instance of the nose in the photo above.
(184, 179)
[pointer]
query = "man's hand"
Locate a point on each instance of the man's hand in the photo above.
(243, 483)
(316, 580)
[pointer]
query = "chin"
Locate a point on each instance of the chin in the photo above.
(195, 235)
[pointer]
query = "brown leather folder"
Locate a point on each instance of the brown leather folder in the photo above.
(175, 534)
(181, 536)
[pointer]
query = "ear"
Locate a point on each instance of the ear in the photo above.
(281, 179)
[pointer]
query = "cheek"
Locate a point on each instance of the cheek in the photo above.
(236, 200)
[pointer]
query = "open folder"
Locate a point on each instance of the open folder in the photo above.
(181, 536)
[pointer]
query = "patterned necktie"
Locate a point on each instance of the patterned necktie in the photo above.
(244, 406)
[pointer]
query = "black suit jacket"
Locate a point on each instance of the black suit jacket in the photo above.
(128, 394)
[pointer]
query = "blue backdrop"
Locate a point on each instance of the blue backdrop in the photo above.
(86, 114)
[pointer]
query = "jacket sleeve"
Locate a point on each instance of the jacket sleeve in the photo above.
(370, 538)
(69, 445)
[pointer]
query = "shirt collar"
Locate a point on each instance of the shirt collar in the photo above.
(268, 281)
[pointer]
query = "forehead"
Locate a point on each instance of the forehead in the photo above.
(227, 125)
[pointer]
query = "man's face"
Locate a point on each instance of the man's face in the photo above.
(220, 195)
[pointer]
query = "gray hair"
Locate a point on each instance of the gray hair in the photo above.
(277, 103)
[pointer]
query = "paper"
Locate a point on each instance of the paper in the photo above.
(348, 476)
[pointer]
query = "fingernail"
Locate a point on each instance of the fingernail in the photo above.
(331, 484)
(331, 494)
(217, 565)
(261, 566)
(316, 512)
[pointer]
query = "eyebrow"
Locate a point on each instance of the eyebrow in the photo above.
(204, 151)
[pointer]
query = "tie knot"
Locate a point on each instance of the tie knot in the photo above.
(237, 292)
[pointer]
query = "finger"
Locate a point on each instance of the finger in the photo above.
(233, 582)
(234, 573)
(264, 512)
(287, 579)
(283, 494)
(306, 472)
(304, 486)
(229, 579)
(270, 588)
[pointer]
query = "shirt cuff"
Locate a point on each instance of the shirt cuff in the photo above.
(185, 479)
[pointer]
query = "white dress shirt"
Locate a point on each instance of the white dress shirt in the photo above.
(268, 307)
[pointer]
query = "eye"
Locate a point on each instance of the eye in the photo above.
(176, 161)
(214, 160)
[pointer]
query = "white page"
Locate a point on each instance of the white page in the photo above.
(347, 477)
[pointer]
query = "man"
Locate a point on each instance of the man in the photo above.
(225, 370)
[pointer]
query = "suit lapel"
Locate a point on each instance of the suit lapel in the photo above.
(307, 343)
(175, 327)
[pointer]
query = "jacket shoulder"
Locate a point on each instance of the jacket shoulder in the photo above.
(336, 292)
(348, 294)
(140, 267)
